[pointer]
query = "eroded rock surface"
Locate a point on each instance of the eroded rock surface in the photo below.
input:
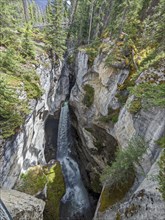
(22, 206)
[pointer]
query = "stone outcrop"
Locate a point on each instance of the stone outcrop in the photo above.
(22, 206)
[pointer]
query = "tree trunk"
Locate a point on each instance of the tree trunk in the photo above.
(90, 24)
(73, 11)
(26, 12)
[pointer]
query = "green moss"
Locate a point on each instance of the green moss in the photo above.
(112, 116)
(56, 189)
(135, 106)
(114, 194)
(35, 180)
(89, 95)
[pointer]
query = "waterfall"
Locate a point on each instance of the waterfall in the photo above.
(75, 203)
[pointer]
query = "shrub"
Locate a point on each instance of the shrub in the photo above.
(112, 116)
(89, 95)
(12, 110)
(135, 106)
(123, 167)
(151, 94)
(161, 176)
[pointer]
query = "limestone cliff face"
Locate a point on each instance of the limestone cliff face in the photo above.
(26, 148)
(100, 137)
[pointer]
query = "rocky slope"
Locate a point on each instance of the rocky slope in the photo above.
(103, 122)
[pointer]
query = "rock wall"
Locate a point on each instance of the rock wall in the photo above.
(26, 148)
(100, 133)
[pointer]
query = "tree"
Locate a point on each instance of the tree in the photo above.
(161, 176)
(55, 32)
(27, 44)
(26, 11)
(123, 167)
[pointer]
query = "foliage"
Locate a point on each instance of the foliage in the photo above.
(89, 95)
(161, 176)
(16, 67)
(12, 110)
(112, 116)
(150, 94)
(34, 181)
(55, 32)
(135, 106)
(122, 169)
(27, 43)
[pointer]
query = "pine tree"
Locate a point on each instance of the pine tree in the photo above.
(55, 32)
(27, 44)
(26, 11)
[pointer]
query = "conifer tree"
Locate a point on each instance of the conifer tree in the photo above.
(55, 32)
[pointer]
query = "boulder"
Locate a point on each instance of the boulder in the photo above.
(22, 206)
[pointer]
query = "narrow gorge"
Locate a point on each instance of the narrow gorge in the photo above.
(82, 112)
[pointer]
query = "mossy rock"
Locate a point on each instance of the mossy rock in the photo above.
(34, 181)
(112, 195)
(55, 192)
